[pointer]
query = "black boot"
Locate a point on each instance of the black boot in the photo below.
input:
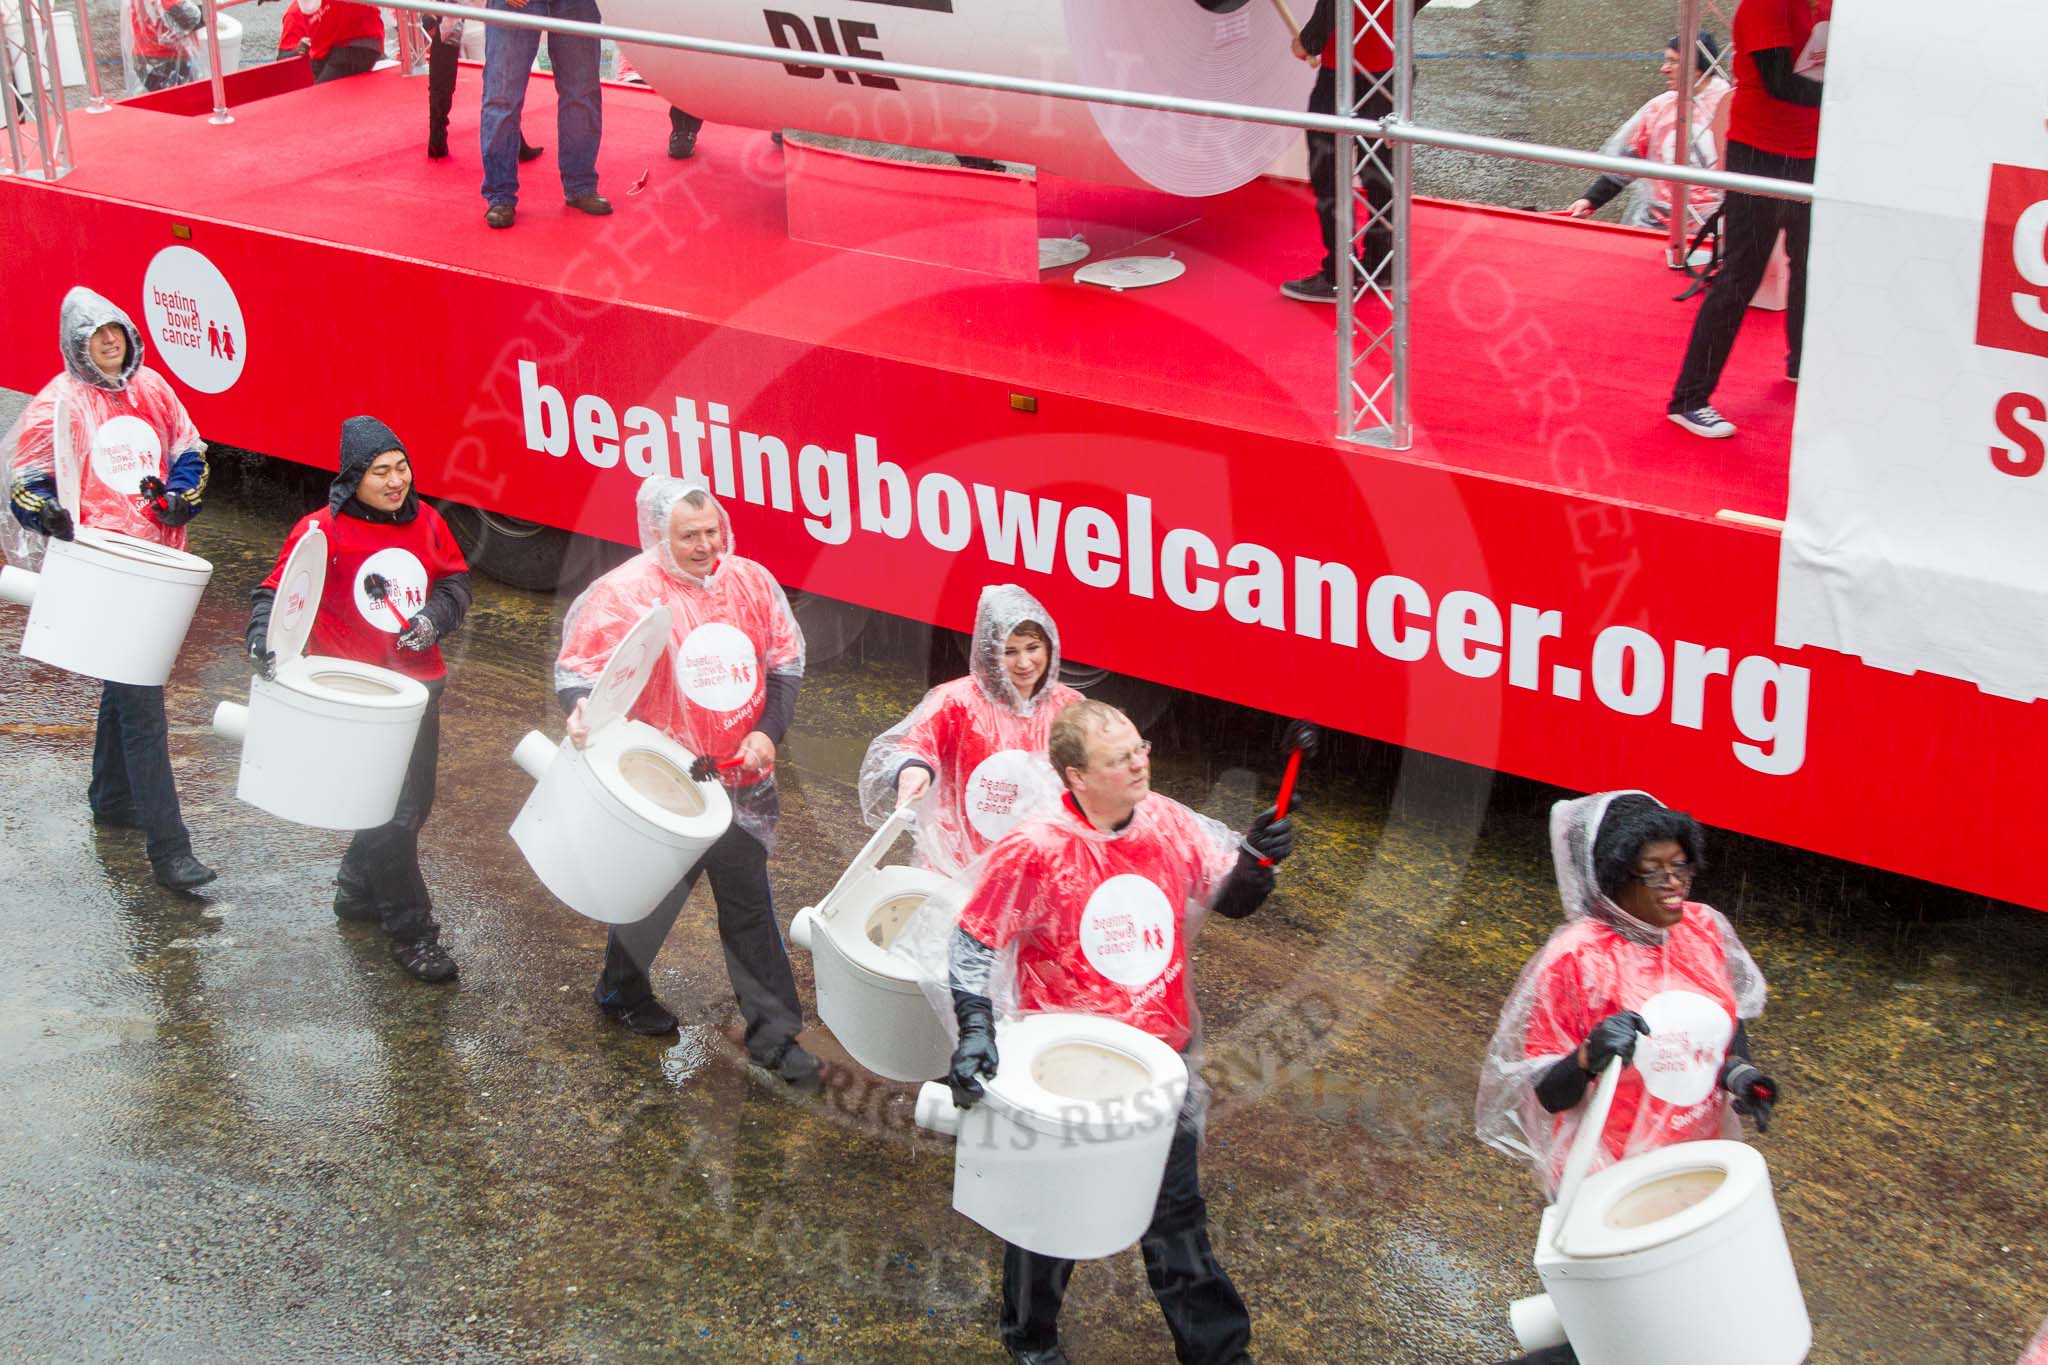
(425, 960)
(528, 152)
(437, 142)
(182, 872)
(441, 60)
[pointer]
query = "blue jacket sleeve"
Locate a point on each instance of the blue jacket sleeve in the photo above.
(26, 500)
(186, 488)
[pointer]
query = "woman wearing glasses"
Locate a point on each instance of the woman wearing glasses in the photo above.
(1639, 971)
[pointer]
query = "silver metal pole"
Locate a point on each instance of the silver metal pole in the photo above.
(39, 38)
(1682, 141)
(1421, 136)
(96, 102)
(1399, 433)
(1346, 103)
(220, 115)
(9, 100)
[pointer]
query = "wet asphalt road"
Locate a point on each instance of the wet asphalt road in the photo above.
(235, 1132)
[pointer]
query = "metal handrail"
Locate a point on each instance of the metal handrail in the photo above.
(1442, 138)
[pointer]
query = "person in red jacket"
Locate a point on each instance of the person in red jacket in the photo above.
(973, 751)
(1091, 907)
(377, 525)
(1781, 50)
(348, 39)
(129, 449)
(1372, 45)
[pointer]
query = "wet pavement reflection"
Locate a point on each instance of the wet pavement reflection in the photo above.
(235, 1131)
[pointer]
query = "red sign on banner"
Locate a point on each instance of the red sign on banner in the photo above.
(2012, 300)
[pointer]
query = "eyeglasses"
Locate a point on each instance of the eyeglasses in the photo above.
(1129, 756)
(1682, 873)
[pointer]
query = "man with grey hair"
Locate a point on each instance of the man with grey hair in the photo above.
(1099, 899)
(736, 657)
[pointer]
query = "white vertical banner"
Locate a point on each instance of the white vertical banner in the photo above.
(1917, 532)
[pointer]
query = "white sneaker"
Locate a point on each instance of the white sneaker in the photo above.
(1704, 421)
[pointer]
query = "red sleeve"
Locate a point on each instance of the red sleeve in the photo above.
(1008, 886)
(445, 556)
(1763, 24)
(305, 523)
(1557, 1022)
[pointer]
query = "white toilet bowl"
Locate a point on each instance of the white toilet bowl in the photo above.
(326, 742)
(870, 993)
(1065, 1153)
(1675, 1255)
(612, 827)
(108, 605)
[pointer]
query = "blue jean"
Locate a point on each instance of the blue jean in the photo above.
(131, 768)
(579, 116)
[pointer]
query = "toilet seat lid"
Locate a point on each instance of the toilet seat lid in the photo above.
(1589, 1233)
(629, 668)
(298, 596)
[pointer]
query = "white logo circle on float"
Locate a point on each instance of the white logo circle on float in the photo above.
(194, 319)
(1681, 1060)
(716, 667)
(124, 449)
(1127, 930)
(405, 583)
(1002, 788)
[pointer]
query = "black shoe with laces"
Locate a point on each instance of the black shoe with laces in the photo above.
(182, 872)
(1049, 1355)
(1316, 288)
(424, 960)
(682, 143)
(644, 1017)
(796, 1066)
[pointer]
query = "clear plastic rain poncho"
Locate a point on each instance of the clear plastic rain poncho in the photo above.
(982, 740)
(1692, 982)
(1651, 133)
(1098, 921)
(163, 43)
(732, 630)
(118, 429)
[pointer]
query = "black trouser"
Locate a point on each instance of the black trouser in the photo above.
(347, 60)
(755, 957)
(1750, 225)
(131, 768)
(382, 866)
(1373, 173)
(1203, 1309)
(442, 59)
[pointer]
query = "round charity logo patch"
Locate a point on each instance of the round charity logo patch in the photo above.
(195, 319)
(1681, 1059)
(123, 450)
(1002, 788)
(717, 668)
(405, 587)
(1127, 930)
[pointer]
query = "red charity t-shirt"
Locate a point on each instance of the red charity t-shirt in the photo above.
(1756, 118)
(1100, 921)
(350, 624)
(1593, 972)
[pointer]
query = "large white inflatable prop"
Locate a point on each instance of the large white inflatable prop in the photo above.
(1231, 50)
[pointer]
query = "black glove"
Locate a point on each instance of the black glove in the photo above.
(1303, 736)
(975, 1056)
(262, 662)
(1754, 1092)
(1614, 1036)
(419, 634)
(1270, 839)
(56, 519)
